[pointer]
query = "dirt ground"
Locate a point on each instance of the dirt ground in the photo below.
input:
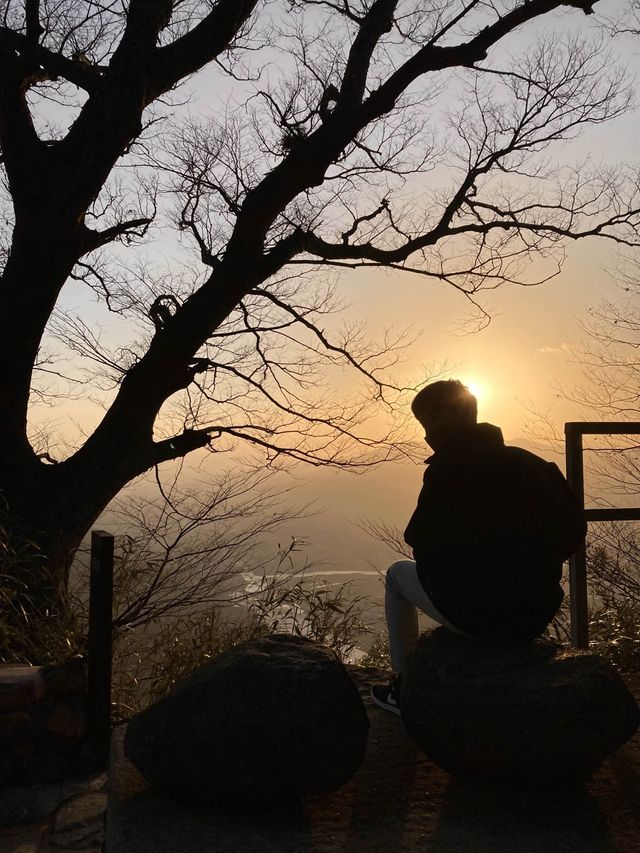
(397, 801)
(601, 817)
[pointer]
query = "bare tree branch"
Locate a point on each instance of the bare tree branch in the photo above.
(213, 35)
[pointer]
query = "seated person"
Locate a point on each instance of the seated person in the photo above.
(490, 533)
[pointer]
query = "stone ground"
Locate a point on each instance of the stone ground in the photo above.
(54, 818)
(397, 801)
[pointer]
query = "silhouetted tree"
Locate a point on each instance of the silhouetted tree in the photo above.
(341, 117)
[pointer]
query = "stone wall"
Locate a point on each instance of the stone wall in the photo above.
(42, 721)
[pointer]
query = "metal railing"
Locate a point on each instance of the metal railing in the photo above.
(573, 432)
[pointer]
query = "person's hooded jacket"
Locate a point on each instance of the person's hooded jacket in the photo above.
(490, 533)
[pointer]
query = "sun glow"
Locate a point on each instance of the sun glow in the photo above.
(478, 388)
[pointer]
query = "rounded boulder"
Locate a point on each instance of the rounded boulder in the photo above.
(275, 718)
(528, 714)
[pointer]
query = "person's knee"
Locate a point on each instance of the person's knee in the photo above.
(393, 571)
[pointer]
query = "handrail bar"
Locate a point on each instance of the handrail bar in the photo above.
(573, 431)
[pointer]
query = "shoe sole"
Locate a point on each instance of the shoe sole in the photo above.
(385, 707)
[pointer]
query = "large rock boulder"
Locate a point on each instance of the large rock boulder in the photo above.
(527, 714)
(272, 719)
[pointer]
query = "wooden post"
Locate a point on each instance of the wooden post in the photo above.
(578, 561)
(100, 642)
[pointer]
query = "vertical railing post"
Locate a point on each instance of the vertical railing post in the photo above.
(100, 641)
(578, 561)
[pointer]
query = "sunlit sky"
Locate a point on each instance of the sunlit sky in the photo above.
(516, 363)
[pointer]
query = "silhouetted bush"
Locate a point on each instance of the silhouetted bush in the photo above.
(147, 663)
(31, 633)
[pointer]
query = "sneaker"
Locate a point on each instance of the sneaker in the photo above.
(387, 696)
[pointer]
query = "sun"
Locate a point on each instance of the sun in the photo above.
(478, 388)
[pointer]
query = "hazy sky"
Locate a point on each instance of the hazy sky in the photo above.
(514, 362)
(523, 349)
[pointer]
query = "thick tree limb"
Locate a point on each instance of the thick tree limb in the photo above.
(201, 45)
(93, 239)
(433, 58)
(145, 20)
(32, 19)
(377, 22)
(19, 143)
(55, 65)
(179, 445)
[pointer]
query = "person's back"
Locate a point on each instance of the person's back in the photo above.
(491, 530)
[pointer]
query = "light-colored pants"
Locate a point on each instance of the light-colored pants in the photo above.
(403, 597)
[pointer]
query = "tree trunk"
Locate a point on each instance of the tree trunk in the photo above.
(44, 517)
(45, 509)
